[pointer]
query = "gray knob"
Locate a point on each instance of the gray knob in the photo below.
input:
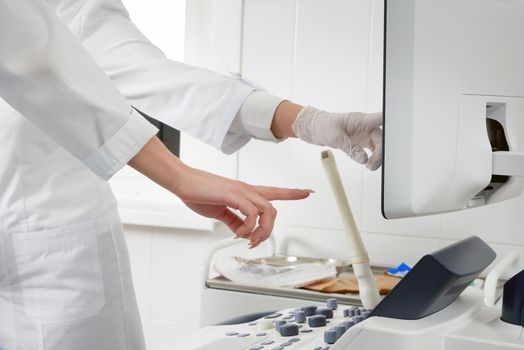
(300, 316)
(331, 304)
(340, 329)
(330, 336)
(349, 312)
(317, 321)
(309, 310)
(349, 324)
(358, 319)
(288, 330)
(356, 312)
(325, 311)
(278, 324)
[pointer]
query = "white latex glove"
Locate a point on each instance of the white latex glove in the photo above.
(352, 133)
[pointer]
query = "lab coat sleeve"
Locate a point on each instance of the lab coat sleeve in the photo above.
(197, 101)
(255, 117)
(47, 76)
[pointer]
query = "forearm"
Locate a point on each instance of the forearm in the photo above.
(157, 163)
(284, 118)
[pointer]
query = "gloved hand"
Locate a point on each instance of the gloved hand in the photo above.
(349, 132)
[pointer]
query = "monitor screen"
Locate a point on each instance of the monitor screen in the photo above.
(453, 95)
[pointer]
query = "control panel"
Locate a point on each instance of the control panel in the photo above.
(310, 327)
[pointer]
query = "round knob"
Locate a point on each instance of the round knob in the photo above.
(278, 324)
(330, 336)
(317, 321)
(331, 304)
(325, 311)
(309, 310)
(358, 319)
(356, 312)
(300, 316)
(340, 329)
(288, 330)
(349, 324)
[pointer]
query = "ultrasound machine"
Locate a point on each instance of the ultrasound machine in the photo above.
(453, 139)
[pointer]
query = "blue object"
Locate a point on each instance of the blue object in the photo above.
(278, 324)
(399, 271)
(340, 329)
(309, 310)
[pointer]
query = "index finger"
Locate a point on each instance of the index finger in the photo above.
(278, 193)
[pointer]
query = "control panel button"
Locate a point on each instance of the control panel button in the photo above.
(330, 336)
(309, 310)
(275, 315)
(325, 311)
(288, 330)
(317, 321)
(358, 318)
(231, 334)
(258, 347)
(300, 316)
(349, 312)
(278, 324)
(332, 304)
(268, 342)
(243, 335)
(349, 324)
(306, 330)
(340, 329)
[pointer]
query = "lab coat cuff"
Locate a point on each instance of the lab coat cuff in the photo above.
(121, 147)
(256, 115)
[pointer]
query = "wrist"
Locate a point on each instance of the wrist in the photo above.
(285, 116)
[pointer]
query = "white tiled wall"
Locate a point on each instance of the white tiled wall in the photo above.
(327, 53)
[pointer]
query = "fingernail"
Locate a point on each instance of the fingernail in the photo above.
(309, 191)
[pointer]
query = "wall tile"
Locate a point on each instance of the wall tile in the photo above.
(391, 250)
(177, 258)
(320, 209)
(315, 242)
(264, 163)
(268, 50)
(331, 61)
(376, 57)
(501, 222)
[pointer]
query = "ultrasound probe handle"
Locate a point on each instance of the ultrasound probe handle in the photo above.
(357, 251)
(367, 284)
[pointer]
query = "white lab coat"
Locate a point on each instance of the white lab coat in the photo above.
(65, 280)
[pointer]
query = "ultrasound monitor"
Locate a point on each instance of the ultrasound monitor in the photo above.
(453, 105)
